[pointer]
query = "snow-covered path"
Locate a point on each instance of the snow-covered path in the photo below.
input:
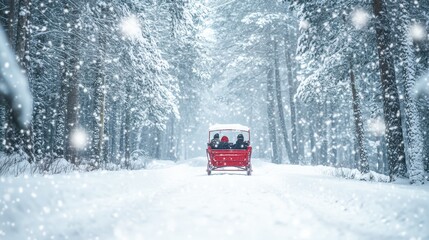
(179, 201)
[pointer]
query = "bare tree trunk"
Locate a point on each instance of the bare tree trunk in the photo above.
(60, 115)
(122, 120)
(40, 110)
(114, 132)
(98, 143)
(291, 88)
(7, 14)
(412, 120)
(99, 109)
(424, 116)
(391, 106)
(11, 22)
(9, 134)
(323, 134)
(423, 99)
(71, 117)
(171, 138)
(127, 127)
(301, 132)
(158, 141)
(362, 163)
(22, 32)
(313, 147)
(73, 85)
(178, 142)
(333, 135)
(280, 107)
(18, 140)
(271, 117)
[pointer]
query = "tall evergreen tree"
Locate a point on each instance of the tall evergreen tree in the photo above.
(391, 105)
(412, 119)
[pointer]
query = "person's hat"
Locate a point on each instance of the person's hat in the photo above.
(240, 136)
(216, 135)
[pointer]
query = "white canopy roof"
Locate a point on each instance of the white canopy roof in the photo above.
(238, 127)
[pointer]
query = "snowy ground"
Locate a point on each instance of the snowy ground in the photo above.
(179, 201)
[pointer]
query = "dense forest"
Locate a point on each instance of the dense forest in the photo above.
(112, 74)
(336, 83)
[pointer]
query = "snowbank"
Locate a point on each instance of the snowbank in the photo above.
(353, 174)
(179, 201)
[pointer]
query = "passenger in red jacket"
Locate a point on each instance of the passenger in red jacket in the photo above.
(224, 143)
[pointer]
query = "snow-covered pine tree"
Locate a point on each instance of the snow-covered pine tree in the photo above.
(22, 32)
(422, 53)
(4, 13)
(4, 16)
(426, 97)
(150, 96)
(419, 13)
(412, 120)
(315, 100)
(47, 54)
(16, 140)
(40, 87)
(70, 65)
(71, 78)
(103, 25)
(246, 50)
(327, 46)
(178, 27)
(8, 140)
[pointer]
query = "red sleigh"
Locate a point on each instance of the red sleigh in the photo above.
(231, 157)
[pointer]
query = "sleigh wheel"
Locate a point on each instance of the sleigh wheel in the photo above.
(249, 170)
(209, 169)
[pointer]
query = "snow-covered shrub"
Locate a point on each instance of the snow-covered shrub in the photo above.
(15, 164)
(348, 173)
(112, 166)
(136, 163)
(53, 166)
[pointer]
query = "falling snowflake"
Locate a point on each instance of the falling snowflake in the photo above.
(79, 138)
(376, 126)
(304, 24)
(360, 18)
(130, 27)
(418, 32)
(422, 86)
(208, 34)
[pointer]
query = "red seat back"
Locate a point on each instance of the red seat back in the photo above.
(229, 157)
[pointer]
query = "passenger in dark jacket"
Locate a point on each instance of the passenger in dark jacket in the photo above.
(240, 143)
(214, 143)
